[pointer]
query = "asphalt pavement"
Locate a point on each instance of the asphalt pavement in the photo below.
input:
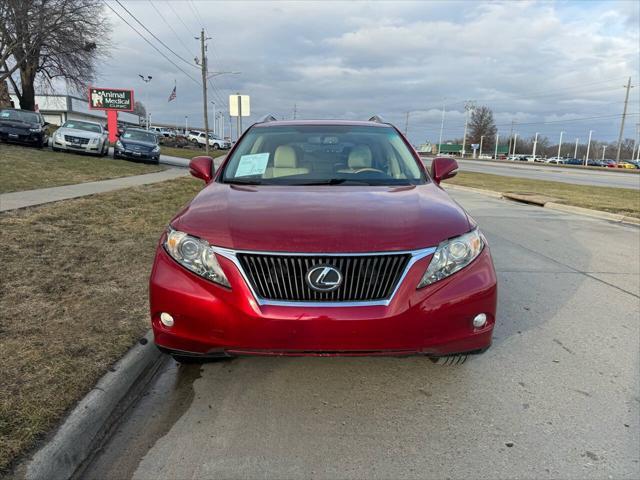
(557, 395)
(597, 178)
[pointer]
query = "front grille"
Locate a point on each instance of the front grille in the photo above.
(283, 277)
(76, 140)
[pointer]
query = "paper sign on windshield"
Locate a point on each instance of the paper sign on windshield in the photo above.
(255, 164)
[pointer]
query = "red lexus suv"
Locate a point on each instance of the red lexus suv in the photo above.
(323, 238)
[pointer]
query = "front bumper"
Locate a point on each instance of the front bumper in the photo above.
(62, 144)
(22, 136)
(134, 155)
(211, 320)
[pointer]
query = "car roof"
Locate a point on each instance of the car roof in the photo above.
(296, 123)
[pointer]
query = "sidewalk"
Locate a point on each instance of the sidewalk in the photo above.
(28, 198)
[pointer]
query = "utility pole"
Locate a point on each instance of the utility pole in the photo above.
(186, 125)
(203, 65)
(510, 137)
(495, 156)
(535, 145)
(560, 145)
(406, 124)
(624, 114)
(441, 128)
(635, 141)
(586, 159)
(604, 147)
(481, 139)
(575, 152)
(468, 106)
(515, 142)
(214, 117)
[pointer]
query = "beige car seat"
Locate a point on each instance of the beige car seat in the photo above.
(359, 157)
(285, 163)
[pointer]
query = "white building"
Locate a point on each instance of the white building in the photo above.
(57, 109)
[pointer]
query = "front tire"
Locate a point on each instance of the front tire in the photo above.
(216, 146)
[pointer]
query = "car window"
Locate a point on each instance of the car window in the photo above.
(20, 115)
(140, 136)
(86, 126)
(323, 154)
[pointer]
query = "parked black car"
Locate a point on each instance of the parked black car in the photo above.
(595, 163)
(23, 126)
(137, 144)
(573, 161)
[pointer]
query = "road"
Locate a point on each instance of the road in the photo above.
(566, 175)
(557, 395)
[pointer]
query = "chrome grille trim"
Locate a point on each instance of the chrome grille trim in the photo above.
(345, 261)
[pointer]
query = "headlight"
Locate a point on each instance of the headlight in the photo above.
(451, 256)
(58, 136)
(94, 140)
(195, 255)
(119, 145)
(35, 130)
(156, 149)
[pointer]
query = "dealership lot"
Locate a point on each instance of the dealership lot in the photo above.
(556, 395)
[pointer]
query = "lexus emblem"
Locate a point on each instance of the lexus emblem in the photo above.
(324, 278)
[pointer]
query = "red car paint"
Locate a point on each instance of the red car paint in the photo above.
(212, 319)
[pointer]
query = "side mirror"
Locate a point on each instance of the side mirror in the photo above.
(443, 168)
(201, 167)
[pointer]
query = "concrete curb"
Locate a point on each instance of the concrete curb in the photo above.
(76, 438)
(611, 217)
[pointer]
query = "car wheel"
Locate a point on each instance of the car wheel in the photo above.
(216, 146)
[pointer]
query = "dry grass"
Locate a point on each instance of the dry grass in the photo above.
(73, 299)
(616, 200)
(25, 168)
(190, 152)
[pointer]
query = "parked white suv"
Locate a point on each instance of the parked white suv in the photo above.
(214, 141)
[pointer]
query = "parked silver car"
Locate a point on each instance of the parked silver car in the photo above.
(81, 136)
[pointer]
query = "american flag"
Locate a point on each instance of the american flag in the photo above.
(173, 94)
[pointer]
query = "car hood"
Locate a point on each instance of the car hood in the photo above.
(323, 218)
(78, 133)
(6, 122)
(141, 143)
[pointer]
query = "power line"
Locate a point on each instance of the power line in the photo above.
(151, 44)
(170, 27)
(154, 36)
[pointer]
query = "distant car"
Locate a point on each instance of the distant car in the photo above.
(628, 165)
(81, 136)
(609, 163)
(595, 163)
(635, 162)
(137, 144)
(513, 158)
(167, 133)
(23, 126)
(573, 161)
(556, 160)
(215, 142)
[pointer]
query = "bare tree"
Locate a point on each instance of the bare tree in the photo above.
(140, 110)
(49, 39)
(482, 125)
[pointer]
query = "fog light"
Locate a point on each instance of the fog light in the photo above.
(167, 320)
(479, 320)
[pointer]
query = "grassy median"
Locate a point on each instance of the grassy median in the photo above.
(27, 168)
(73, 299)
(624, 201)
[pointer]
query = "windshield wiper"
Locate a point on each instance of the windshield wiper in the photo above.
(334, 181)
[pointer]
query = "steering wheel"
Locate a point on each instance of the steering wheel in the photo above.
(367, 169)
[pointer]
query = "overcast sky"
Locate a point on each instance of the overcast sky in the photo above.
(531, 62)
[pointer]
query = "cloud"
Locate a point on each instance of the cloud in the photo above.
(528, 61)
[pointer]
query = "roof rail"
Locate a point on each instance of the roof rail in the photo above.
(267, 118)
(378, 119)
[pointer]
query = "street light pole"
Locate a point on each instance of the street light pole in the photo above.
(214, 117)
(146, 80)
(441, 128)
(575, 152)
(560, 145)
(481, 139)
(535, 145)
(186, 125)
(495, 156)
(468, 106)
(604, 147)
(515, 142)
(624, 115)
(586, 159)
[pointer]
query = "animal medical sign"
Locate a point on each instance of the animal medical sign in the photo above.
(110, 99)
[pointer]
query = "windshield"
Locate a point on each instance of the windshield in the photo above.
(86, 126)
(139, 136)
(20, 115)
(323, 154)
